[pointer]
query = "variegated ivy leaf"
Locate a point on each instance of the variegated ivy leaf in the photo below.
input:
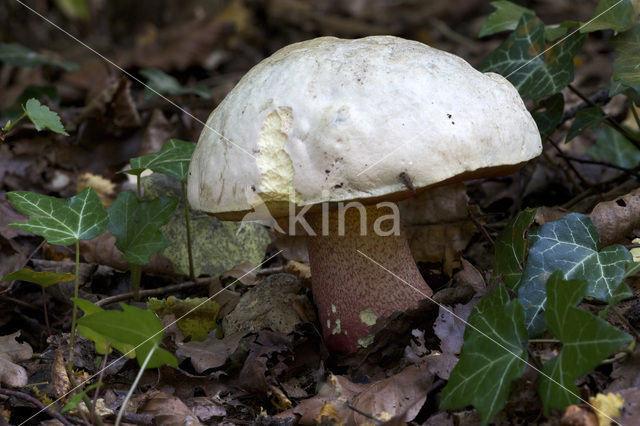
(570, 245)
(61, 221)
(136, 225)
(586, 341)
(625, 67)
(493, 356)
(511, 248)
(173, 160)
(534, 68)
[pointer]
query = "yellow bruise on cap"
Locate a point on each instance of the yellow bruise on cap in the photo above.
(368, 316)
(275, 164)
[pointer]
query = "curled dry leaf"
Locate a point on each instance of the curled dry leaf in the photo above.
(210, 353)
(168, 410)
(11, 351)
(616, 219)
(60, 383)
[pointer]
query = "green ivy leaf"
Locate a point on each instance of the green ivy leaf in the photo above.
(43, 279)
(100, 341)
(486, 369)
(524, 59)
(617, 15)
(586, 341)
(625, 66)
(42, 117)
(569, 244)
(548, 114)
(138, 327)
(60, 221)
(612, 147)
(136, 225)
(505, 17)
(588, 118)
(173, 160)
(511, 248)
(163, 83)
(20, 56)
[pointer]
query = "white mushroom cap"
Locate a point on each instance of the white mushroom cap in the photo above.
(337, 120)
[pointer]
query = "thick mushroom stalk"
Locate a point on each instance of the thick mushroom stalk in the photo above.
(350, 290)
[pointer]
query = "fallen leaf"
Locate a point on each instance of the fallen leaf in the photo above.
(11, 351)
(168, 410)
(450, 328)
(607, 407)
(578, 415)
(102, 186)
(197, 315)
(210, 353)
(616, 219)
(59, 379)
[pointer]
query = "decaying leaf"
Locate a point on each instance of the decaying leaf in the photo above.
(103, 187)
(169, 410)
(607, 407)
(11, 351)
(210, 353)
(59, 379)
(616, 219)
(197, 315)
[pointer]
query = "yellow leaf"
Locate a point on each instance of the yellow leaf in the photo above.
(608, 406)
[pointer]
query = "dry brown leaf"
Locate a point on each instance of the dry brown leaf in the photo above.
(578, 415)
(470, 276)
(449, 328)
(616, 219)
(60, 383)
(402, 394)
(205, 408)
(158, 130)
(11, 351)
(167, 410)
(210, 353)
(103, 187)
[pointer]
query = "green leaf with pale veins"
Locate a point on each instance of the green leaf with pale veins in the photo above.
(626, 66)
(548, 114)
(524, 60)
(163, 83)
(586, 341)
(505, 17)
(511, 248)
(20, 56)
(569, 244)
(136, 225)
(42, 117)
(588, 118)
(60, 221)
(612, 147)
(133, 326)
(42, 278)
(173, 160)
(493, 356)
(617, 15)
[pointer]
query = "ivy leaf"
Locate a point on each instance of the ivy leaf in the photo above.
(137, 327)
(42, 117)
(173, 160)
(617, 15)
(60, 221)
(548, 114)
(586, 341)
(505, 17)
(523, 59)
(625, 66)
(163, 83)
(569, 244)
(493, 356)
(612, 147)
(20, 56)
(588, 118)
(136, 225)
(100, 341)
(43, 279)
(511, 248)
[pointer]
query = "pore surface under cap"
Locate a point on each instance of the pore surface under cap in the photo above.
(330, 120)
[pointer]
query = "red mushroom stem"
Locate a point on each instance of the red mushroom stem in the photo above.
(349, 289)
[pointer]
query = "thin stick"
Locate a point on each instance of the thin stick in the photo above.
(188, 227)
(26, 397)
(154, 292)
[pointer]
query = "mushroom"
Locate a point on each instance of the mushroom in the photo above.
(327, 131)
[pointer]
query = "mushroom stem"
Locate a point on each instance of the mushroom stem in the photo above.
(349, 289)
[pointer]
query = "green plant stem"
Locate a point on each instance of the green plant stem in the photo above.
(134, 385)
(136, 273)
(635, 114)
(626, 322)
(74, 313)
(7, 127)
(631, 137)
(103, 365)
(188, 228)
(139, 187)
(44, 307)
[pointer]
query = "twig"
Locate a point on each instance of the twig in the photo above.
(566, 158)
(362, 413)
(478, 225)
(271, 270)
(600, 98)
(632, 138)
(26, 397)
(154, 292)
(626, 322)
